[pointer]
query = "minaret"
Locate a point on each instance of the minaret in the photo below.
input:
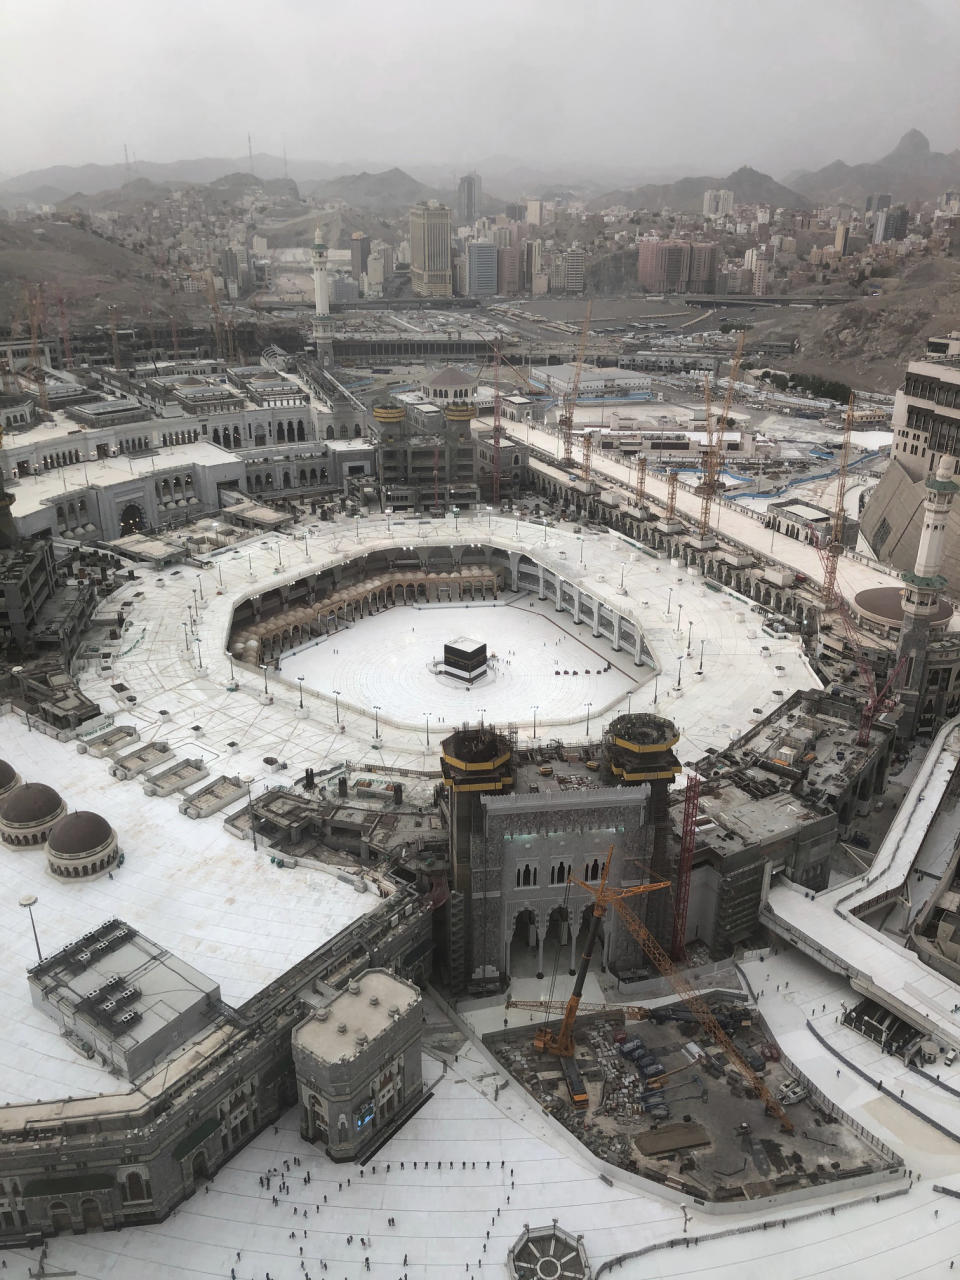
(920, 596)
(322, 320)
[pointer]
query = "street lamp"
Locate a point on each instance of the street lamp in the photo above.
(679, 615)
(700, 668)
(588, 705)
(535, 709)
(580, 540)
(689, 636)
(196, 641)
(376, 720)
(196, 607)
(358, 528)
(679, 670)
(489, 517)
(253, 819)
(220, 572)
(300, 683)
(263, 668)
(669, 597)
(29, 900)
(200, 580)
(336, 704)
(456, 519)
(186, 638)
(656, 681)
(426, 715)
(483, 712)
(623, 567)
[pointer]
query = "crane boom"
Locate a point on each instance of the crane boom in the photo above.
(561, 1042)
(701, 1011)
(714, 453)
(633, 1011)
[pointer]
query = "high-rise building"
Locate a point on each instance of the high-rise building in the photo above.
(575, 264)
(469, 197)
(359, 254)
(508, 270)
(663, 266)
(430, 264)
(874, 203)
(761, 275)
(703, 268)
(481, 269)
(515, 212)
(717, 203)
(534, 212)
(891, 224)
(842, 238)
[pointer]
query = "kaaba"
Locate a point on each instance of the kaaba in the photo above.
(464, 659)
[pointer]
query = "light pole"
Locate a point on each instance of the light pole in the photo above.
(456, 519)
(588, 705)
(358, 528)
(489, 517)
(230, 660)
(700, 668)
(426, 716)
(389, 513)
(300, 683)
(196, 607)
(535, 709)
(29, 900)
(253, 819)
(580, 540)
(336, 704)
(483, 712)
(376, 720)
(679, 670)
(689, 636)
(200, 580)
(263, 668)
(669, 597)
(679, 616)
(629, 700)
(656, 681)
(220, 572)
(196, 641)
(186, 638)
(623, 566)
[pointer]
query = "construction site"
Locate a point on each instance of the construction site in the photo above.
(694, 1093)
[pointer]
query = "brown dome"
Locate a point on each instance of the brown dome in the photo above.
(7, 774)
(78, 833)
(30, 805)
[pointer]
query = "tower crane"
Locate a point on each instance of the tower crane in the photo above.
(570, 399)
(636, 1012)
(714, 450)
(830, 554)
(641, 486)
(587, 457)
(36, 312)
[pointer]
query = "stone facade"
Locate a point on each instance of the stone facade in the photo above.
(86, 1163)
(357, 1060)
(523, 860)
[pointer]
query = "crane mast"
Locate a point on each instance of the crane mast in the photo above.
(570, 399)
(714, 452)
(496, 422)
(830, 555)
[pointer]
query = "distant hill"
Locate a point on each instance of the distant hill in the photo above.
(375, 192)
(139, 193)
(87, 271)
(58, 183)
(749, 186)
(910, 172)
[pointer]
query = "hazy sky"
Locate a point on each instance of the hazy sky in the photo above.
(692, 85)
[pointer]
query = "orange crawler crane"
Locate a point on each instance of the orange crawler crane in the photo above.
(561, 1042)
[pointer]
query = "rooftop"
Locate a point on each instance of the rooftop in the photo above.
(347, 1023)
